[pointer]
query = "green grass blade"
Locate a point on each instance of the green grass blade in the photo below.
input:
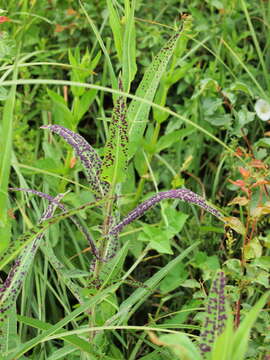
(54, 328)
(115, 159)
(13, 284)
(116, 28)
(241, 337)
(138, 112)
(60, 270)
(20, 243)
(114, 91)
(113, 268)
(8, 336)
(222, 348)
(103, 47)
(5, 165)
(129, 306)
(79, 343)
(129, 47)
(256, 43)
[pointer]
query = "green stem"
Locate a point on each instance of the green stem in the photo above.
(144, 176)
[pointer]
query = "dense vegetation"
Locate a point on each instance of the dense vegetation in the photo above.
(107, 109)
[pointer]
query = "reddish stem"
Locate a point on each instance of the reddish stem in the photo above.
(237, 313)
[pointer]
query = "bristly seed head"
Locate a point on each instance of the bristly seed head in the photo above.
(182, 194)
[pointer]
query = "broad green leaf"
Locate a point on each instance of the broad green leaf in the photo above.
(138, 112)
(181, 346)
(176, 220)
(159, 239)
(82, 104)
(129, 46)
(115, 159)
(61, 113)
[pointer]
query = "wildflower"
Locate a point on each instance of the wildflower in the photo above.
(262, 109)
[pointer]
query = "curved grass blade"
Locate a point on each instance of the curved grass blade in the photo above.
(82, 229)
(115, 159)
(116, 27)
(242, 335)
(182, 194)
(88, 156)
(129, 47)
(129, 306)
(138, 112)
(19, 351)
(23, 240)
(13, 284)
(60, 271)
(114, 91)
(75, 340)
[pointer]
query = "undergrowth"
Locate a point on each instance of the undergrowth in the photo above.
(134, 180)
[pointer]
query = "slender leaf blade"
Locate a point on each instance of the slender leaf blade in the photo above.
(115, 159)
(129, 47)
(13, 284)
(241, 337)
(138, 112)
(116, 28)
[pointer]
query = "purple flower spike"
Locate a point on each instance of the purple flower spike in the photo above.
(54, 201)
(88, 156)
(182, 194)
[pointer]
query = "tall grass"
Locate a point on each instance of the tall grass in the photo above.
(171, 117)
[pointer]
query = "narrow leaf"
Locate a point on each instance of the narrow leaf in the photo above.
(5, 164)
(75, 340)
(129, 306)
(215, 312)
(30, 235)
(116, 28)
(240, 341)
(115, 160)
(20, 350)
(138, 112)
(13, 284)
(129, 47)
(82, 229)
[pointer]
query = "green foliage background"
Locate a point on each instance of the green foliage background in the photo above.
(217, 72)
